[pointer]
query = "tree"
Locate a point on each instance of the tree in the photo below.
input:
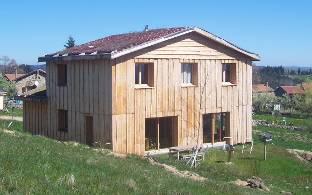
(263, 102)
(7, 87)
(307, 102)
(70, 42)
(4, 60)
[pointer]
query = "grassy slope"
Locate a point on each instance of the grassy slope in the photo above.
(33, 164)
(16, 112)
(279, 171)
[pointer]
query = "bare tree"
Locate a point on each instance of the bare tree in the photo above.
(4, 60)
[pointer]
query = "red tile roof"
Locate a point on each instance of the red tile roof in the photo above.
(121, 41)
(261, 88)
(292, 89)
(114, 46)
(12, 77)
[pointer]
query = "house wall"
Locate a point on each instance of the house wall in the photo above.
(88, 93)
(106, 90)
(30, 80)
(35, 117)
(168, 98)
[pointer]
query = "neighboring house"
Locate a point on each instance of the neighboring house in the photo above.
(12, 77)
(289, 90)
(31, 81)
(147, 90)
(2, 95)
(262, 89)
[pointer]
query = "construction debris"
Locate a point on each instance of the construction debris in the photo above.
(302, 155)
(185, 174)
(254, 182)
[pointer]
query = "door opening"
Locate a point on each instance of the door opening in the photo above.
(216, 126)
(89, 130)
(161, 133)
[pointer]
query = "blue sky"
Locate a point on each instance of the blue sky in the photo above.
(280, 30)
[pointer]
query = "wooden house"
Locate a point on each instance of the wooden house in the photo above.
(148, 90)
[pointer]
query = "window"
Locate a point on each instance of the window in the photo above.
(62, 120)
(215, 127)
(189, 73)
(229, 73)
(144, 74)
(61, 74)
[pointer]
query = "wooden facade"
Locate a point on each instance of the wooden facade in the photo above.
(105, 90)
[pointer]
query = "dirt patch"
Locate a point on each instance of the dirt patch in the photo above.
(117, 155)
(15, 118)
(13, 133)
(175, 171)
(302, 155)
(254, 182)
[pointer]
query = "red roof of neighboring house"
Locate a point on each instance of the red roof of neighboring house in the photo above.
(12, 77)
(292, 89)
(261, 88)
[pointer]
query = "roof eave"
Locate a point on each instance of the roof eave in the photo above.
(253, 56)
(74, 57)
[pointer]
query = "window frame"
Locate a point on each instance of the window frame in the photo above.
(229, 78)
(193, 68)
(61, 75)
(148, 75)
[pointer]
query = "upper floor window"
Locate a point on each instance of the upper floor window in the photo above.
(61, 74)
(63, 120)
(189, 73)
(229, 73)
(144, 74)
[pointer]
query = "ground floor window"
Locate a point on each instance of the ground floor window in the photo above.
(216, 126)
(160, 133)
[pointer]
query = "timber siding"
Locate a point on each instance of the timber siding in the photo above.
(169, 98)
(88, 92)
(105, 90)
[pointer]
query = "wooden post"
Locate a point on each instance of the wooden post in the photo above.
(265, 151)
(157, 133)
(213, 126)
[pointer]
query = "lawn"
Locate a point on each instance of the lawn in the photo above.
(37, 165)
(15, 112)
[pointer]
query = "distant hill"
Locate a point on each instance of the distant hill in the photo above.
(279, 75)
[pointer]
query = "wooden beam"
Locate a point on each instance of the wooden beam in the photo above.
(157, 133)
(213, 126)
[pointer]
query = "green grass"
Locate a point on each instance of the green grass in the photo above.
(15, 126)
(15, 112)
(37, 165)
(278, 172)
(288, 138)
